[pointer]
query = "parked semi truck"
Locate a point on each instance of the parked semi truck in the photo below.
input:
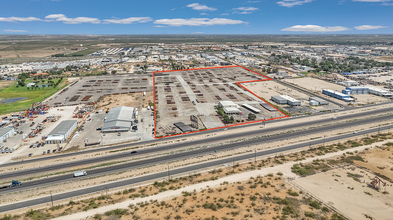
(80, 173)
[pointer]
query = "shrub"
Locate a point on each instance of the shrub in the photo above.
(309, 214)
(315, 204)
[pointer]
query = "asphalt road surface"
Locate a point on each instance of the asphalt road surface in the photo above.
(127, 155)
(193, 168)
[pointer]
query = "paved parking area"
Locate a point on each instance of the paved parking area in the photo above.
(90, 89)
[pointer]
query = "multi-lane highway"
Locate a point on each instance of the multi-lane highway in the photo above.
(182, 170)
(239, 134)
(168, 158)
(126, 155)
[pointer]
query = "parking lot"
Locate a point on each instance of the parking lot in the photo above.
(180, 94)
(90, 89)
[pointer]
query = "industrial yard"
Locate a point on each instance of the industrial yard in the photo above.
(92, 89)
(192, 98)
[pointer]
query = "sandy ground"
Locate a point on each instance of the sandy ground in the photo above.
(28, 53)
(136, 100)
(285, 169)
(380, 160)
(354, 199)
(268, 89)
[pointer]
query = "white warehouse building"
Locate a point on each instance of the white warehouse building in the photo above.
(119, 119)
(61, 132)
(229, 107)
(5, 133)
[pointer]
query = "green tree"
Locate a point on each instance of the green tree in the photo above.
(251, 117)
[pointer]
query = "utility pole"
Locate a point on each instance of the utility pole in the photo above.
(379, 127)
(168, 171)
(51, 197)
(255, 155)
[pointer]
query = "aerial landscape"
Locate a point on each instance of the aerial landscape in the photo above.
(209, 110)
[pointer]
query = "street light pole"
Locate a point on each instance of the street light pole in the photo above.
(51, 197)
(255, 155)
(168, 172)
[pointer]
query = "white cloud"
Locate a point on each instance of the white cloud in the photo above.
(160, 26)
(315, 28)
(178, 22)
(203, 14)
(199, 7)
(369, 27)
(245, 10)
(291, 3)
(78, 20)
(15, 31)
(128, 20)
(16, 19)
(384, 2)
(198, 33)
(225, 14)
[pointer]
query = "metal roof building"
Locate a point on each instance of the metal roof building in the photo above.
(229, 107)
(319, 100)
(183, 127)
(268, 107)
(119, 119)
(251, 108)
(61, 132)
(5, 133)
(280, 100)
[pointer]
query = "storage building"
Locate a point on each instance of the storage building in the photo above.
(5, 133)
(337, 95)
(251, 108)
(119, 119)
(319, 101)
(61, 132)
(380, 92)
(279, 100)
(284, 99)
(355, 90)
(183, 127)
(268, 107)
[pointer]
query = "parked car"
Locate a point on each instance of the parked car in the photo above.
(134, 152)
(48, 151)
(30, 154)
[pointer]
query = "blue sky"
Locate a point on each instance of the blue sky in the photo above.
(199, 17)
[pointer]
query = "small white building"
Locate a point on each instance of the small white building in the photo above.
(229, 107)
(30, 85)
(6, 133)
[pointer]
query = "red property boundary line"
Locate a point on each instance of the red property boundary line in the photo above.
(238, 83)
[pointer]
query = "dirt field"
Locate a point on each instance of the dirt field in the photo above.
(379, 160)
(136, 100)
(28, 53)
(353, 198)
(5, 84)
